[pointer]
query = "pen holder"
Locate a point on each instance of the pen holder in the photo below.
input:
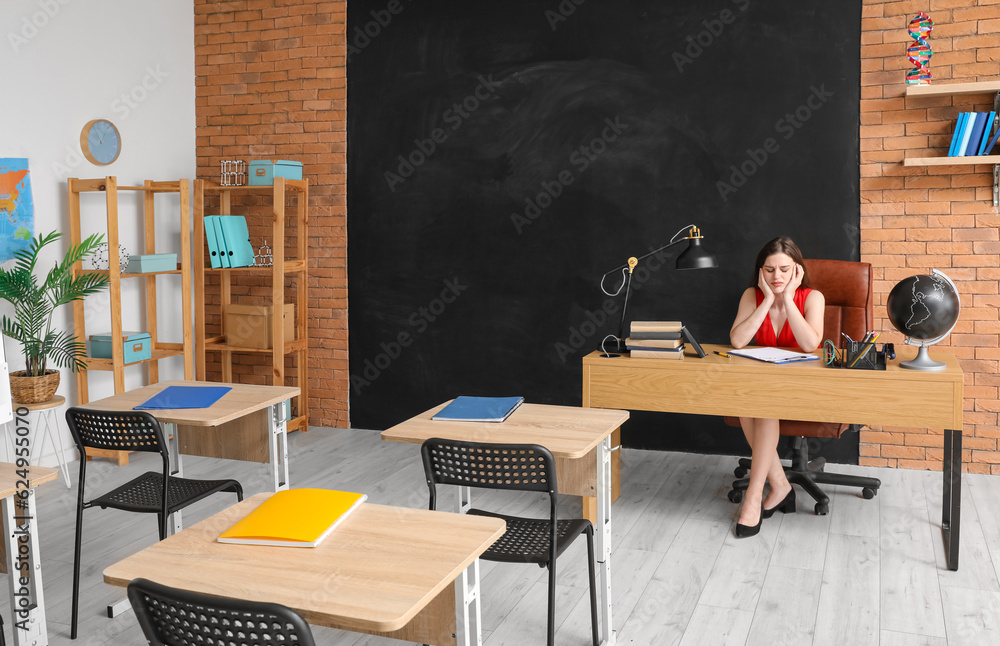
(863, 356)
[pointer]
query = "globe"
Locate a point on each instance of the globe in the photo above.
(925, 308)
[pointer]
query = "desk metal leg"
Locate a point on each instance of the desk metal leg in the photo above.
(27, 602)
(951, 507)
(602, 538)
(468, 631)
(277, 431)
(176, 523)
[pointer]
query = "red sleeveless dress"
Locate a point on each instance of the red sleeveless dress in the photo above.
(785, 339)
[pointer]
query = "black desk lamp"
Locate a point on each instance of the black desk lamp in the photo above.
(694, 257)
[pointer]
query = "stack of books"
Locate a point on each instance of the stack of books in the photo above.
(972, 135)
(655, 339)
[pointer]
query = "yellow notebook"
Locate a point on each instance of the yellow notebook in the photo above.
(294, 518)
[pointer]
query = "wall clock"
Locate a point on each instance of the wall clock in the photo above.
(100, 142)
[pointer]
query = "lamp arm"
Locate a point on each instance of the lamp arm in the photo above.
(627, 268)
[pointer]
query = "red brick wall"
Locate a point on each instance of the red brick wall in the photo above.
(272, 83)
(917, 218)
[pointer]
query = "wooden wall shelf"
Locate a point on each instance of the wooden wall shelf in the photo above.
(109, 186)
(282, 267)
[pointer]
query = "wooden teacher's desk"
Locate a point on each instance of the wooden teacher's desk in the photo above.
(384, 571)
(809, 391)
(579, 440)
(247, 423)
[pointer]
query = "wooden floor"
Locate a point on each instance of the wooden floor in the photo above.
(871, 572)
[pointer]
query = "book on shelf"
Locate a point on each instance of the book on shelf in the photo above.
(478, 409)
(987, 130)
(654, 343)
(993, 142)
(655, 326)
(294, 518)
(956, 136)
(975, 135)
(963, 143)
(657, 353)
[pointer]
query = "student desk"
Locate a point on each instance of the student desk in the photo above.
(579, 440)
(807, 391)
(248, 423)
(386, 571)
(32, 616)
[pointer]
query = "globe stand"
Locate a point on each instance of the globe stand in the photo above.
(923, 361)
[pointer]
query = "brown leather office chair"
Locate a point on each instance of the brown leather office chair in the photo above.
(847, 287)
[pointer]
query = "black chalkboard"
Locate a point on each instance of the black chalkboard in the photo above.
(503, 155)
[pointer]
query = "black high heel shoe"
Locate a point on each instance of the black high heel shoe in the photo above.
(786, 506)
(746, 531)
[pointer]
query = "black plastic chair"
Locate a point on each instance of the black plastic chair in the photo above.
(522, 467)
(173, 617)
(151, 493)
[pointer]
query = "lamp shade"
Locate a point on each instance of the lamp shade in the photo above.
(695, 257)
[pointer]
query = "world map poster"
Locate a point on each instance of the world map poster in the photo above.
(17, 210)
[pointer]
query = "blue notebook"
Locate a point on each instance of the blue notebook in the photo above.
(184, 397)
(976, 133)
(987, 129)
(957, 135)
(479, 409)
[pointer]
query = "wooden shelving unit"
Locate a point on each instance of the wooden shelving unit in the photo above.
(956, 89)
(160, 350)
(282, 268)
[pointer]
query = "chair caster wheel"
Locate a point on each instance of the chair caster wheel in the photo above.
(735, 495)
(822, 509)
(868, 493)
(740, 472)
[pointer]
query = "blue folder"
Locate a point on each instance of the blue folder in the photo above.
(972, 147)
(479, 409)
(987, 130)
(184, 397)
(220, 239)
(213, 244)
(237, 235)
(957, 135)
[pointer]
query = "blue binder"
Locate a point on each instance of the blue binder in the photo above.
(987, 129)
(237, 235)
(220, 238)
(957, 135)
(184, 397)
(972, 147)
(213, 244)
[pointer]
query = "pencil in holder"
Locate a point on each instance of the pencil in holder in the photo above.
(864, 356)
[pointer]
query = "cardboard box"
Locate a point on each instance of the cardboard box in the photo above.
(249, 326)
(263, 171)
(138, 346)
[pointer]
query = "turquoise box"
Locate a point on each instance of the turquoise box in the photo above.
(150, 262)
(138, 346)
(263, 171)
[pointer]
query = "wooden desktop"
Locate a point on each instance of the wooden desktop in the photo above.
(810, 391)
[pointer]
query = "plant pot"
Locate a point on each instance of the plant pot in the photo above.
(33, 390)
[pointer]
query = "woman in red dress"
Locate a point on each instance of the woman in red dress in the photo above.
(779, 310)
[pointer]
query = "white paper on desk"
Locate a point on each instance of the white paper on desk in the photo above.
(773, 355)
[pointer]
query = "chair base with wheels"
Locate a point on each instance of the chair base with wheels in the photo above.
(808, 475)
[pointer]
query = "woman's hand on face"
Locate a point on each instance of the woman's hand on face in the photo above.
(764, 287)
(794, 281)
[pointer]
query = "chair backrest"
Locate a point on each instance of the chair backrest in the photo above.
(847, 288)
(172, 617)
(525, 467)
(115, 430)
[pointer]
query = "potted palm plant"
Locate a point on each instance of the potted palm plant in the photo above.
(34, 302)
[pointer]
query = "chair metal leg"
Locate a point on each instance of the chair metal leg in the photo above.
(76, 567)
(593, 583)
(552, 604)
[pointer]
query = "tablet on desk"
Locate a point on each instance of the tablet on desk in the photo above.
(773, 355)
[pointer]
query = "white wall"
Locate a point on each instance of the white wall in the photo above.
(65, 62)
